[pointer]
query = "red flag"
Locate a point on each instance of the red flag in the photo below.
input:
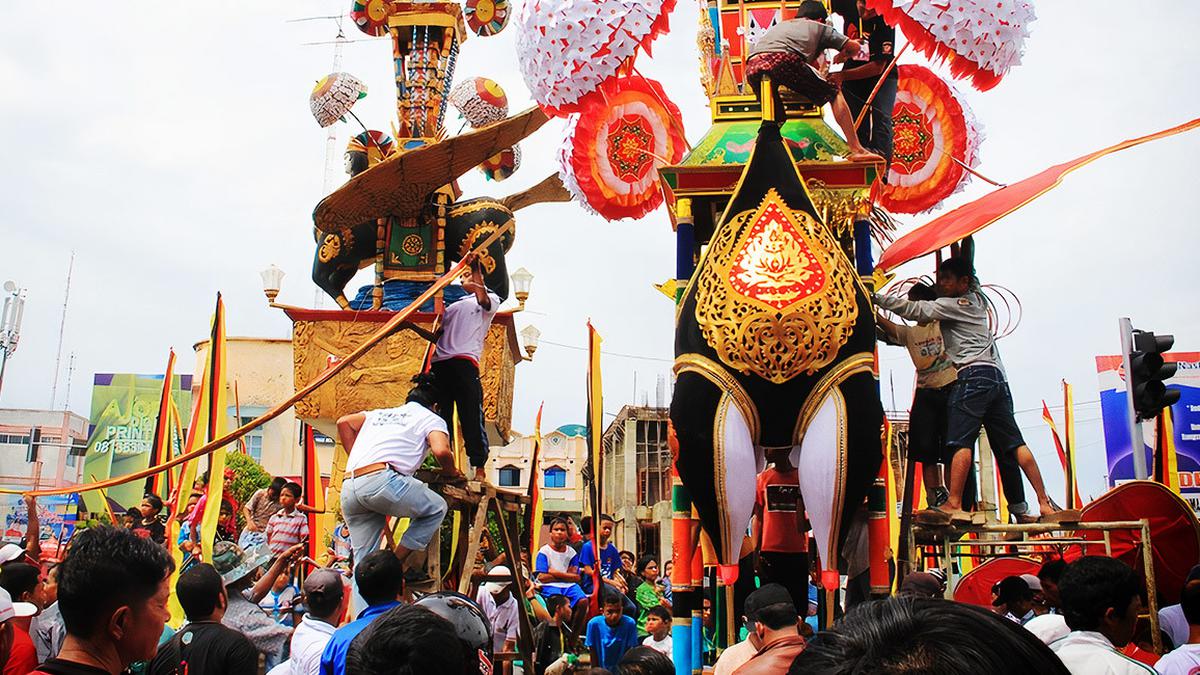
(310, 474)
(1071, 490)
(160, 447)
(974, 216)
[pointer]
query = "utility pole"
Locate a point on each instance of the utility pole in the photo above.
(62, 325)
(10, 323)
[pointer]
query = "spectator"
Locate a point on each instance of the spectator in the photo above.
(237, 569)
(204, 646)
(1051, 626)
(16, 647)
(664, 581)
(779, 526)
(551, 639)
(499, 605)
(1185, 658)
(646, 593)
(24, 586)
(921, 585)
(325, 598)
(1101, 599)
(112, 593)
(48, 631)
(380, 581)
(1014, 598)
(610, 559)
(288, 526)
(280, 600)
(1049, 575)
(645, 661)
(776, 624)
(924, 635)
(470, 625)
(557, 570)
(1170, 618)
(611, 634)
(406, 640)
(658, 625)
(1039, 598)
(146, 523)
(258, 510)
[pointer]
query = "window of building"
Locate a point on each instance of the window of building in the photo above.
(555, 477)
(510, 476)
(254, 439)
(71, 459)
(653, 461)
(14, 439)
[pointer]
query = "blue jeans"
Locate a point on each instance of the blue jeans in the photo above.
(367, 502)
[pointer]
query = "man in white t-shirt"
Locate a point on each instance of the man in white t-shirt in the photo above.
(386, 447)
(1101, 600)
(500, 607)
(1185, 659)
(456, 363)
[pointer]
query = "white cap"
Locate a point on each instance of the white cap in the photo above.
(9, 609)
(495, 587)
(10, 552)
(1035, 584)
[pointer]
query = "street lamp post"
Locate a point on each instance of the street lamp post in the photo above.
(10, 323)
(272, 279)
(530, 335)
(521, 280)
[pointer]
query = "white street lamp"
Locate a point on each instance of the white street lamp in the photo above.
(272, 278)
(530, 335)
(521, 280)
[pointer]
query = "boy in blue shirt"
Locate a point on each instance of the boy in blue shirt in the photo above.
(610, 559)
(611, 634)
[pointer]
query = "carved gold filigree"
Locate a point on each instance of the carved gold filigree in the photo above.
(331, 246)
(838, 207)
(774, 295)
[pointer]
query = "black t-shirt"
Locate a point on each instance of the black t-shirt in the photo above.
(548, 643)
(880, 43)
(208, 649)
(155, 531)
(62, 667)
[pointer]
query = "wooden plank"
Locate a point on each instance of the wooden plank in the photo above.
(478, 526)
(512, 547)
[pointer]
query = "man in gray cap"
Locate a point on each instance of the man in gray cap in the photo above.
(237, 568)
(325, 597)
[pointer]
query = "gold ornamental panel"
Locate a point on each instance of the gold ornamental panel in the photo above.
(775, 296)
(383, 376)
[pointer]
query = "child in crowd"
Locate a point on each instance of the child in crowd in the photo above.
(288, 526)
(611, 634)
(147, 523)
(658, 625)
(557, 570)
(552, 638)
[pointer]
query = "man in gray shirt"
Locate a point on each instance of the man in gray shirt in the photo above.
(786, 53)
(980, 396)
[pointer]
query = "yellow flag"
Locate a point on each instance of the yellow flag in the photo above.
(216, 426)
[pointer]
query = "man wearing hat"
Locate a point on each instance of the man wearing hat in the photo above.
(237, 568)
(776, 629)
(1014, 595)
(921, 585)
(325, 597)
(499, 605)
(15, 652)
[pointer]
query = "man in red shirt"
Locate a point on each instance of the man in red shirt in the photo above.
(780, 527)
(16, 647)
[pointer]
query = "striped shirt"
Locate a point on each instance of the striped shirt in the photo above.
(285, 530)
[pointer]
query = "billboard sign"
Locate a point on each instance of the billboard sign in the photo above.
(1186, 416)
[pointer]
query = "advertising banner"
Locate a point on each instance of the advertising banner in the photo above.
(1186, 413)
(124, 412)
(56, 520)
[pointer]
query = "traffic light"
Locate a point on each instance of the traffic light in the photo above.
(1147, 370)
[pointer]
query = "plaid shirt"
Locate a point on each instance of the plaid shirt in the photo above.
(285, 530)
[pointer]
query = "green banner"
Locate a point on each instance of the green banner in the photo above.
(124, 413)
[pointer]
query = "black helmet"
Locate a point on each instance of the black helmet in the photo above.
(470, 624)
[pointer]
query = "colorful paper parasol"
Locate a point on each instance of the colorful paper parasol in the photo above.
(371, 16)
(615, 145)
(933, 127)
(486, 17)
(334, 96)
(502, 164)
(480, 101)
(568, 48)
(377, 145)
(981, 39)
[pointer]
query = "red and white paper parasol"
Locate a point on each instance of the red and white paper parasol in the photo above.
(568, 48)
(981, 39)
(935, 135)
(615, 145)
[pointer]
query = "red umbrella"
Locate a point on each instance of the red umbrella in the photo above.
(981, 39)
(975, 587)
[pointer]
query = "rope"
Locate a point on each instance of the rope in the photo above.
(387, 329)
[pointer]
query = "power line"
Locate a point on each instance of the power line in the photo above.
(606, 353)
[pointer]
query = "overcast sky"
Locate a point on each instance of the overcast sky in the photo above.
(171, 147)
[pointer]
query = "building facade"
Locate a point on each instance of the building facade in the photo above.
(41, 448)
(637, 480)
(559, 469)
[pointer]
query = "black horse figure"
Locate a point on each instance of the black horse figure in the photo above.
(774, 346)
